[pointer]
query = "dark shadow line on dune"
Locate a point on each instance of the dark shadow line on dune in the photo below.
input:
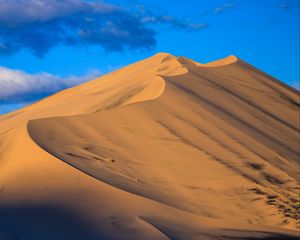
(227, 113)
(174, 233)
(280, 93)
(265, 235)
(143, 219)
(209, 154)
(246, 65)
(253, 105)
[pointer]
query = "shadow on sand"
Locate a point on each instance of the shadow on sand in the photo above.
(45, 222)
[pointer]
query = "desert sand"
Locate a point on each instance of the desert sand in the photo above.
(165, 148)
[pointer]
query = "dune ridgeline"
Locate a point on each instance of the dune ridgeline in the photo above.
(165, 149)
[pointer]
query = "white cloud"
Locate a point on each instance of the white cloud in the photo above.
(19, 86)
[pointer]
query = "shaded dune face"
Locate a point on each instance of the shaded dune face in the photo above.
(216, 143)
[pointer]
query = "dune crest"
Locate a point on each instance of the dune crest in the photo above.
(196, 151)
(222, 62)
(217, 63)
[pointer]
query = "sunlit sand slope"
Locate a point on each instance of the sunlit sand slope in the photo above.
(166, 148)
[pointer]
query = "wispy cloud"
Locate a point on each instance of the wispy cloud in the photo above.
(43, 24)
(284, 6)
(150, 17)
(18, 86)
(290, 5)
(224, 7)
(166, 19)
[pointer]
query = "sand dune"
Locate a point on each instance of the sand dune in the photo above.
(166, 148)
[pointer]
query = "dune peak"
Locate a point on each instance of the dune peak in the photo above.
(217, 63)
(162, 56)
(197, 151)
(222, 62)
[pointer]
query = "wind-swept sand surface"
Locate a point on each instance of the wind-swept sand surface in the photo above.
(166, 148)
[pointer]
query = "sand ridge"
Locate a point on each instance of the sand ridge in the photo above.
(195, 152)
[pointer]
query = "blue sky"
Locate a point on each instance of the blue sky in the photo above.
(49, 45)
